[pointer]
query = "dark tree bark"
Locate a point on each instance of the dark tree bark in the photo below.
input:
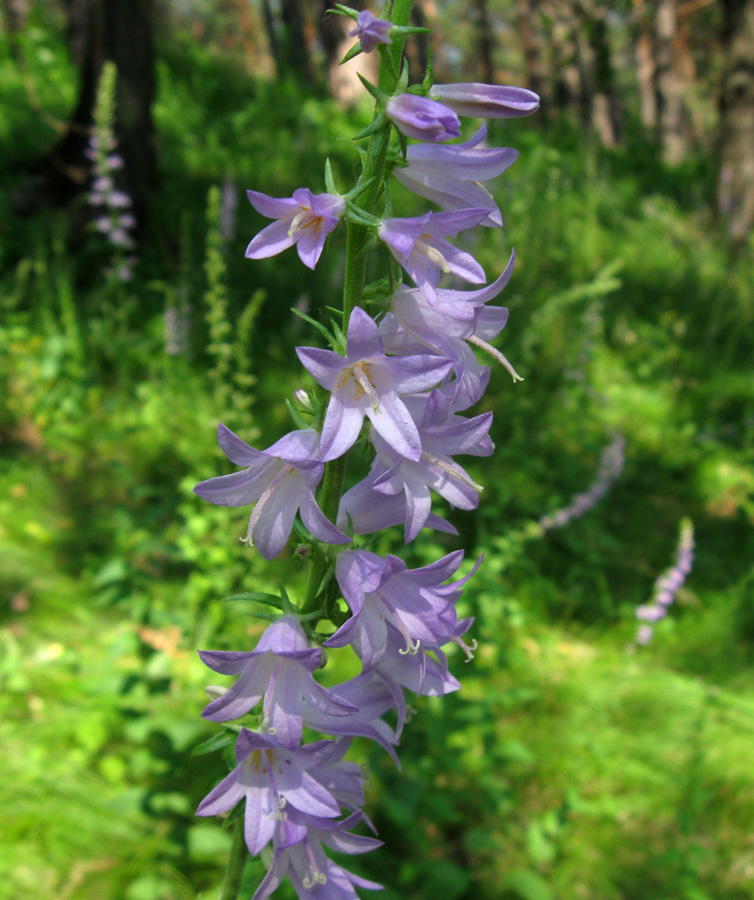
(296, 46)
(330, 31)
(100, 30)
(529, 16)
(484, 42)
(645, 65)
(736, 181)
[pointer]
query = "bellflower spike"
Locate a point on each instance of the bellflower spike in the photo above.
(305, 219)
(280, 668)
(367, 383)
(419, 245)
(270, 777)
(371, 31)
(451, 176)
(281, 481)
(422, 119)
(486, 101)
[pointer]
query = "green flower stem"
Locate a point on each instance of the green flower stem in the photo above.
(236, 862)
(354, 279)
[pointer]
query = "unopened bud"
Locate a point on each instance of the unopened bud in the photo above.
(303, 399)
(214, 691)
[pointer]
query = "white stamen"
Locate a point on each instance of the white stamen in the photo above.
(451, 470)
(495, 354)
(468, 650)
(432, 254)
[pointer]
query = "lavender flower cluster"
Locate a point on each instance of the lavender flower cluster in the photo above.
(611, 465)
(399, 383)
(113, 206)
(667, 586)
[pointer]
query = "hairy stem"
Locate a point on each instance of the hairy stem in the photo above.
(236, 863)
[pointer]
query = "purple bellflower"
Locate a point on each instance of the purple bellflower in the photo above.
(381, 591)
(486, 101)
(369, 510)
(305, 219)
(280, 668)
(371, 31)
(281, 481)
(367, 383)
(441, 436)
(452, 176)
(270, 777)
(422, 119)
(299, 854)
(419, 245)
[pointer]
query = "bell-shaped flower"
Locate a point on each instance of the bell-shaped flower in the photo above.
(419, 245)
(371, 31)
(422, 119)
(367, 383)
(280, 669)
(442, 436)
(424, 675)
(371, 698)
(384, 591)
(271, 777)
(281, 481)
(486, 101)
(368, 510)
(299, 853)
(452, 176)
(305, 219)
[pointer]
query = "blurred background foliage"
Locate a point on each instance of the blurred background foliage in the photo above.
(572, 764)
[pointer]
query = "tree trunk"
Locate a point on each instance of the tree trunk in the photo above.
(669, 96)
(296, 47)
(484, 42)
(100, 30)
(529, 17)
(645, 66)
(736, 181)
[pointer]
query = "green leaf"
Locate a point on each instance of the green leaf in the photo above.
(256, 597)
(380, 96)
(354, 51)
(221, 739)
(318, 325)
(380, 122)
(329, 180)
(527, 885)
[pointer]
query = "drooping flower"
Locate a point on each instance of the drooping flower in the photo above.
(486, 101)
(367, 383)
(281, 481)
(371, 31)
(419, 245)
(270, 777)
(384, 591)
(422, 119)
(280, 668)
(299, 854)
(452, 176)
(305, 219)
(442, 436)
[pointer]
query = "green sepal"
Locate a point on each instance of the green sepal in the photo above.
(361, 216)
(344, 11)
(370, 244)
(318, 325)
(295, 416)
(429, 74)
(340, 337)
(354, 51)
(238, 812)
(221, 739)
(361, 187)
(400, 88)
(380, 96)
(379, 124)
(329, 180)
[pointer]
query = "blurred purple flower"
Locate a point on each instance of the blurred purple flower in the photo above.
(305, 219)
(371, 31)
(422, 119)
